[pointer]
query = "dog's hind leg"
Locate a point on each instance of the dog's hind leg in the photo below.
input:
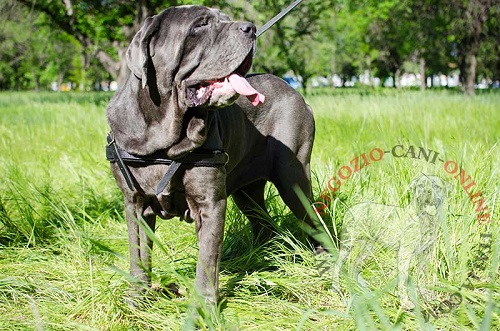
(250, 200)
(289, 176)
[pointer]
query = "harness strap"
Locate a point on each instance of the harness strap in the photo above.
(172, 168)
(199, 157)
(112, 152)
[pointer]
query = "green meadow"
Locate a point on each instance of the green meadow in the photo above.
(63, 238)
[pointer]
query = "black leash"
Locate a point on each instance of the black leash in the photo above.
(276, 18)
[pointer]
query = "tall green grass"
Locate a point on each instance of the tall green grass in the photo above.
(63, 242)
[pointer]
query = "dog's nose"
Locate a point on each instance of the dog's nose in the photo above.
(247, 28)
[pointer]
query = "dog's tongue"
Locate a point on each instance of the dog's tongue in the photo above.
(243, 87)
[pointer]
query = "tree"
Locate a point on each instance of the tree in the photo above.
(12, 46)
(374, 38)
(104, 28)
(101, 28)
(488, 56)
(296, 42)
(88, 39)
(32, 55)
(432, 46)
(488, 64)
(353, 52)
(471, 17)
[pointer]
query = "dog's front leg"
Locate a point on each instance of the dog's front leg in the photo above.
(208, 206)
(210, 232)
(140, 244)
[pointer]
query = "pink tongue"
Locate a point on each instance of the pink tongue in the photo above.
(242, 86)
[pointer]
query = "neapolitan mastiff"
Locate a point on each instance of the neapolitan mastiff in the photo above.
(183, 139)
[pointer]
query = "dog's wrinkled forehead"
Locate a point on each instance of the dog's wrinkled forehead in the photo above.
(201, 10)
(220, 15)
(191, 21)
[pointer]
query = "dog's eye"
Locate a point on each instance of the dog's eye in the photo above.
(200, 25)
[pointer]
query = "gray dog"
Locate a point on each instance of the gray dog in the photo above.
(183, 139)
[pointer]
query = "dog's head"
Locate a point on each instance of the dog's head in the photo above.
(428, 193)
(192, 48)
(185, 57)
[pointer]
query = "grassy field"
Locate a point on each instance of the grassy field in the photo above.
(63, 242)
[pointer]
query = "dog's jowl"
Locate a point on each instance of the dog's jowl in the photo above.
(188, 130)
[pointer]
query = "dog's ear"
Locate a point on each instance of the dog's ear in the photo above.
(139, 51)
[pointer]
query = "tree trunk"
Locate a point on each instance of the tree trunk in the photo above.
(423, 82)
(60, 80)
(397, 78)
(109, 64)
(36, 80)
(475, 15)
(368, 60)
(124, 71)
(305, 80)
(85, 66)
(468, 73)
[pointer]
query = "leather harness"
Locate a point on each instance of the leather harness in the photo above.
(198, 157)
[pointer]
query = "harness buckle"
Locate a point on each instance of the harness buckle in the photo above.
(110, 138)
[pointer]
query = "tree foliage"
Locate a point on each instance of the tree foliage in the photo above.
(85, 41)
